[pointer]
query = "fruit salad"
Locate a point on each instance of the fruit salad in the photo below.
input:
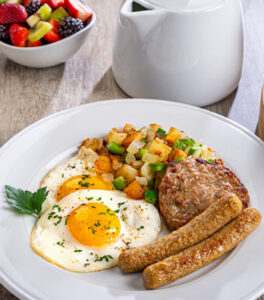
(31, 23)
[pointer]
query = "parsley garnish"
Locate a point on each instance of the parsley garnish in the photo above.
(25, 202)
(121, 203)
(77, 250)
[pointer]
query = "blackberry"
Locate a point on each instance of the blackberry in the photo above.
(70, 26)
(34, 6)
(4, 34)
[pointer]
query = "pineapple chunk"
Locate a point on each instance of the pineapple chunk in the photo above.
(136, 136)
(128, 172)
(128, 128)
(173, 135)
(116, 136)
(103, 164)
(176, 153)
(159, 148)
(135, 191)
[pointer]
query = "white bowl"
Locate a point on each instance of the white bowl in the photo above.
(48, 55)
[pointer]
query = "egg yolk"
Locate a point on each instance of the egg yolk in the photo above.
(81, 182)
(94, 224)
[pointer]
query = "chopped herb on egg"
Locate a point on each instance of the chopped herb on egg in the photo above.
(77, 250)
(62, 175)
(121, 203)
(101, 213)
(105, 257)
(125, 208)
(60, 244)
(141, 227)
(116, 211)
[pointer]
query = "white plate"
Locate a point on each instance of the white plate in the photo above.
(26, 158)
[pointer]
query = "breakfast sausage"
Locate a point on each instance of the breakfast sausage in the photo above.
(213, 218)
(202, 254)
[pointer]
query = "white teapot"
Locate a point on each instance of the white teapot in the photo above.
(188, 51)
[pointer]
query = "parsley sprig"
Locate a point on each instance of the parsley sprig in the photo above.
(26, 202)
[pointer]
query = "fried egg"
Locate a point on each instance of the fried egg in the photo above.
(87, 230)
(78, 173)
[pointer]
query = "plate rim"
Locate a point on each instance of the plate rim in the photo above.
(24, 294)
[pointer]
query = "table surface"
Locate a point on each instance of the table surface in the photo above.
(27, 95)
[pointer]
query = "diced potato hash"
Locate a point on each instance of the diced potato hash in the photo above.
(144, 146)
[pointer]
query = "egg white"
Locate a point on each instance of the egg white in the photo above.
(50, 238)
(81, 164)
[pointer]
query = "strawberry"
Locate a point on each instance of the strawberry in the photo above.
(18, 35)
(35, 44)
(79, 10)
(53, 35)
(55, 3)
(26, 2)
(12, 13)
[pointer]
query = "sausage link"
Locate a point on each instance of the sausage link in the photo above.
(202, 254)
(213, 218)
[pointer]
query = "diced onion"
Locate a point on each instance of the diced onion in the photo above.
(108, 177)
(129, 158)
(146, 172)
(142, 180)
(144, 131)
(135, 146)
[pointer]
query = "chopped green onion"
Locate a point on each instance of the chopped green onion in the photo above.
(124, 158)
(211, 161)
(114, 148)
(142, 152)
(119, 183)
(193, 150)
(155, 167)
(151, 184)
(183, 144)
(151, 196)
(181, 158)
(161, 133)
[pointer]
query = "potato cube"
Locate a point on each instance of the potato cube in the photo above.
(88, 155)
(159, 148)
(103, 164)
(173, 135)
(176, 153)
(128, 172)
(135, 191)
(136, 136)
(154, 127)
(93, 144)
(150, 158)
(116, 136)
(137, 164)
(128, 128)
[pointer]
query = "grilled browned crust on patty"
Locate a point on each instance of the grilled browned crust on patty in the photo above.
(189, 187)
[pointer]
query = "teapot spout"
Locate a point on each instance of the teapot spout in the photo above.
(141, 17)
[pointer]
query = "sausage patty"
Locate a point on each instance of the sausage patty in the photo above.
(189, 187)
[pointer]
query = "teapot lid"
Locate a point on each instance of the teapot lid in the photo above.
(184, 4)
